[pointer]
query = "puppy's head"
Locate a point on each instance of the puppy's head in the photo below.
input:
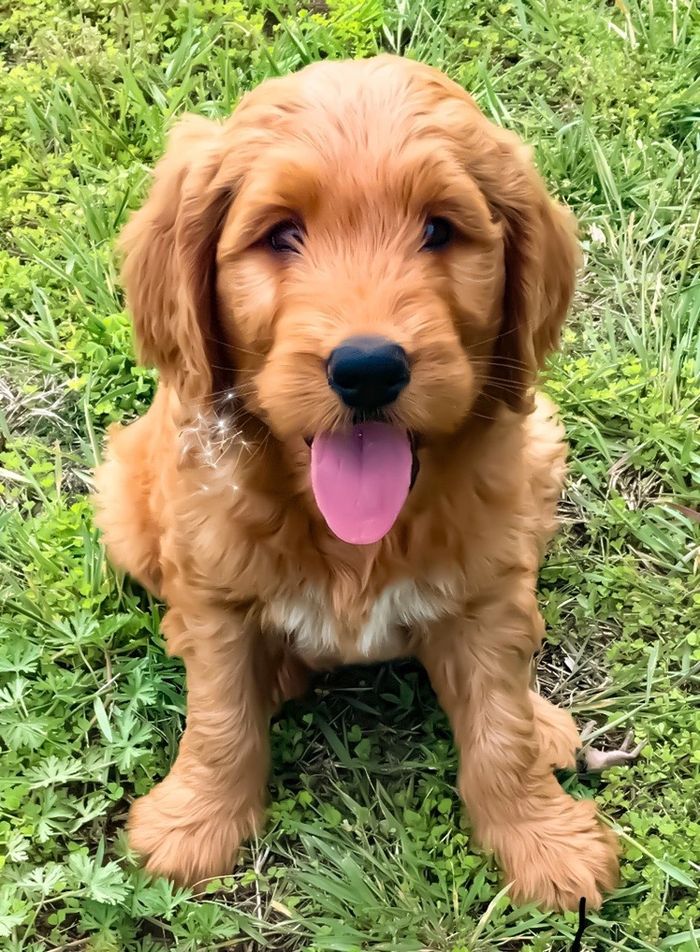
(361, 255)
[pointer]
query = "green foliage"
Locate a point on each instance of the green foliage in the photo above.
(365, 848)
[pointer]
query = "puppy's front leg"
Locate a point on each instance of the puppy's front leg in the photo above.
(551, 846)
(190, 826)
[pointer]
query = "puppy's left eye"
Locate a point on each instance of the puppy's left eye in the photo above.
(286, 236)
(437, 233)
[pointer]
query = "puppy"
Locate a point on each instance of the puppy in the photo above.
(348, 289)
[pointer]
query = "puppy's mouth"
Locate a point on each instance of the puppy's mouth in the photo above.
(361, 477)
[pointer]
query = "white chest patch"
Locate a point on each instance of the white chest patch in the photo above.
(310, 619)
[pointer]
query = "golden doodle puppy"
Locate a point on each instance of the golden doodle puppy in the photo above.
(348, 289)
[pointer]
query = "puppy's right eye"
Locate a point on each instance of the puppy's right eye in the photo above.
(286, 236)
(438, 233)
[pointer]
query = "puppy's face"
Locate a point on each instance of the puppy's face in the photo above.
(360, 270)
(361, 254)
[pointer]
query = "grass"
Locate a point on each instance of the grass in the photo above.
(365, 848)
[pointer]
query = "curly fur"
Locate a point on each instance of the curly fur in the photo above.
(206, 499)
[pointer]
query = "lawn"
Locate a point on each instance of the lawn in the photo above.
(365, 846)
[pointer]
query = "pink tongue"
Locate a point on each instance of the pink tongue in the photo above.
(360, 478)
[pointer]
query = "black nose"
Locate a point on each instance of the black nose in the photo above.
(368, 372)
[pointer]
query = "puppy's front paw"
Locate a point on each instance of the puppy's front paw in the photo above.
(186, 833)
(558, 859)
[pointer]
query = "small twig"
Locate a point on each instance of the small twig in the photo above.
(75, 944)
(595, 761)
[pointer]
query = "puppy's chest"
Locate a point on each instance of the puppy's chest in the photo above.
(378, 631)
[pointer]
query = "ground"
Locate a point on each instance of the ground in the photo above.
(365, 846)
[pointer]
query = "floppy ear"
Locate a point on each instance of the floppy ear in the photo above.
(169, 261)
(541, 258)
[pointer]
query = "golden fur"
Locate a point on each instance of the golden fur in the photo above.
(206, 499)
